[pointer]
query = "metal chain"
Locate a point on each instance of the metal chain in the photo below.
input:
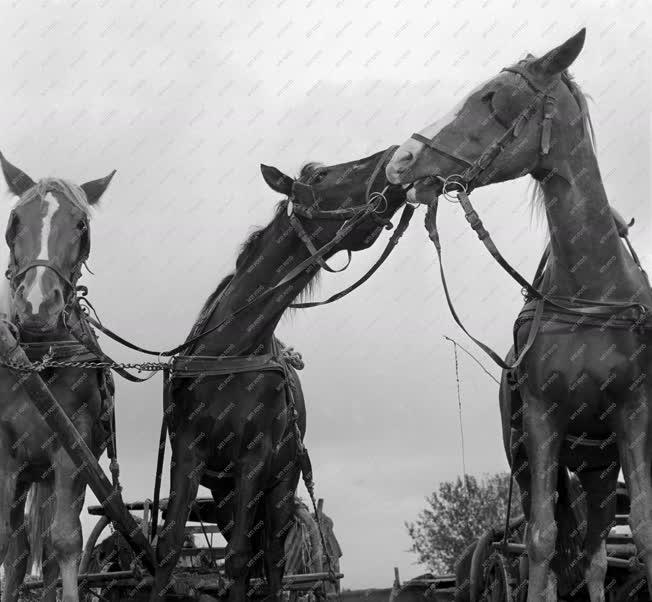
(90, 364)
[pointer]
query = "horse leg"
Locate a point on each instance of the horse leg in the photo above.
(279, 510)
(543, 443)
(50, 564)
(599, 486)
(634, 437)
(18, 551)
(185, 474)
(248, 490)
(9, 478)
(66, 532)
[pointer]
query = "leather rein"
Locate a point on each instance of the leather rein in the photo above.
(375, 203)
(457, 187)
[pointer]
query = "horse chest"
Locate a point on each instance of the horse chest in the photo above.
(586, 368)
(32, 440)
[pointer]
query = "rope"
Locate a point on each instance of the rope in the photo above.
(459, 405)
(475, 359)
(511, 475)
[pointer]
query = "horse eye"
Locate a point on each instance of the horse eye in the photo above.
(319, 176)
(81, 225)
(488, 97)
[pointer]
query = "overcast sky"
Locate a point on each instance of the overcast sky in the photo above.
(186, 103)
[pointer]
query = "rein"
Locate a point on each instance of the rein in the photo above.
(352, 217)
(463, 184)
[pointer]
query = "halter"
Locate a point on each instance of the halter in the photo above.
(15, 271)
(375, 204)
(468, 179)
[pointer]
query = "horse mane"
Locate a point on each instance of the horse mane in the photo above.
(251, 245)
(536, 195)
(62, 188)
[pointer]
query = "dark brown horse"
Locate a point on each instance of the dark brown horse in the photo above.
(48, 237)
(235, 434)
(584, 396)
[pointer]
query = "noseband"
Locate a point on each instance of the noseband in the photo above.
(468, 179)
(15, 271)
(375, 204)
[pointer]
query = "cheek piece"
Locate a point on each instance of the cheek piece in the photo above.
(15, 271)
(468, 179)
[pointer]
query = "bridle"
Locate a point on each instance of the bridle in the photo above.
(457, 187)
(374, 205)
(15, 271)
(303, 203)
(469, 178)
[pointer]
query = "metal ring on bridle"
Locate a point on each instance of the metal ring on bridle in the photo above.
(453, 183)
(383, 205)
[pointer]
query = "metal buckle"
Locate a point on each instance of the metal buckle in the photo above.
(454, 183)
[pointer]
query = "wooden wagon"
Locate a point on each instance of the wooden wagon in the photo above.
(128, 573)
(497, 572)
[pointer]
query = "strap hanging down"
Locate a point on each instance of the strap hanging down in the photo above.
(593, 308)
(431, 225)
(406, 216)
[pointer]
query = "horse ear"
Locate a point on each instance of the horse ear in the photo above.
(95, 188)
(18, 181)
(562, 57)
(277, 180)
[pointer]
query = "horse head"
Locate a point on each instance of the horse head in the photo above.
(330, 195)
(524, 120)
(48, 234)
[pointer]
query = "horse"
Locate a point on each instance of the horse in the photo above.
(49, 240)
(582, 339)
(240, 433)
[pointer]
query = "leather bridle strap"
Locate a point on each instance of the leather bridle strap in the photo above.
(42, 263)
(595, 307)
(406, 216)
(430, 144)
(314, 212)
(474, 170)
(592, 308)
(306, 240)
(431, 224)
(290, 276)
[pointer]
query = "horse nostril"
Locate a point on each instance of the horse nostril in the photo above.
(407, 157)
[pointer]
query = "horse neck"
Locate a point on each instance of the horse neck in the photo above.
(279, 250)
(587, 258)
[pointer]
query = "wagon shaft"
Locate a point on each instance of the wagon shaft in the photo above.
(74, 444)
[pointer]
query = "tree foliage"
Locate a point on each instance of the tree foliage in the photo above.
(456, 515)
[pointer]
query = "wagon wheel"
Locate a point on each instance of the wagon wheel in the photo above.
(87, 555)
(499, 580)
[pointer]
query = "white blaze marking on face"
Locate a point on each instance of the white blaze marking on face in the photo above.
(432, 130)
(36, 294)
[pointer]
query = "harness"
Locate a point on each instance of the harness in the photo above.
(375, 204)
(15, 271)
(457, 187)
(80, 351)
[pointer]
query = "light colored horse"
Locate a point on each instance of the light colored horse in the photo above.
(48, 238)
(585, 376)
